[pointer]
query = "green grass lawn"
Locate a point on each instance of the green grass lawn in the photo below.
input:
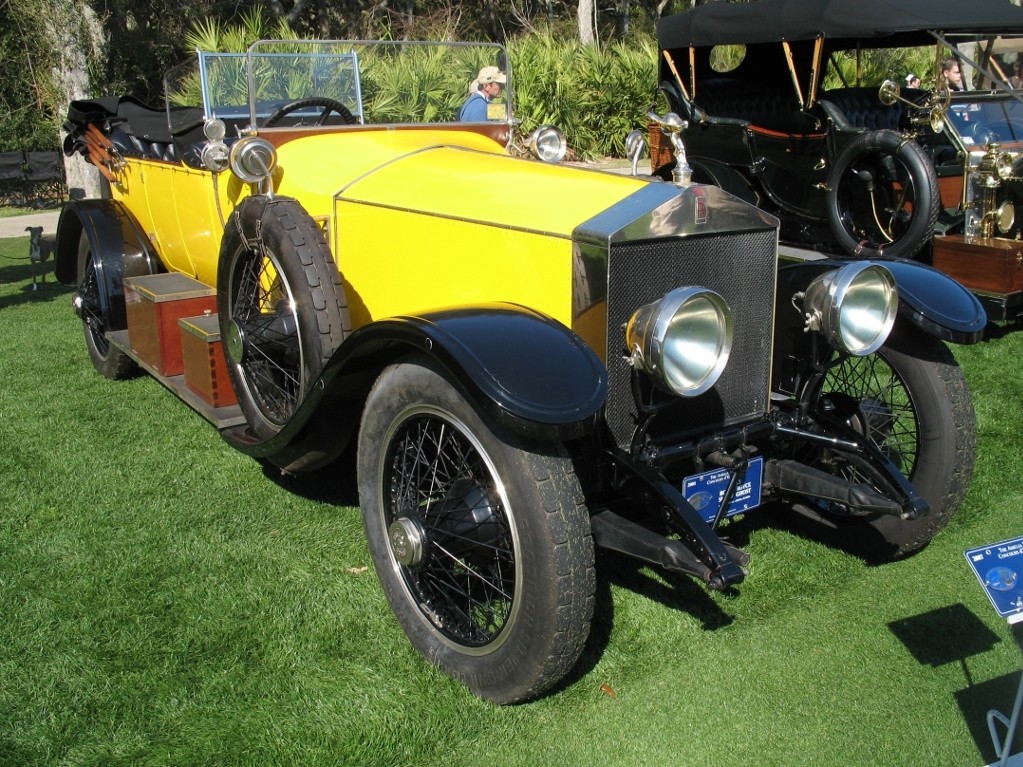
(9, 212)
(166, 601)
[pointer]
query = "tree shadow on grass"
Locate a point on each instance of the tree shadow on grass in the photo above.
(24, 294)
(953, 634)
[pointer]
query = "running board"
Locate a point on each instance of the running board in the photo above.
(616, 533)
(861, 500)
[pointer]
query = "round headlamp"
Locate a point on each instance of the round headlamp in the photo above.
(548, 144)
(995, 166)
(253, 159)
(854, 307)
(1005, 216)
(682, 341)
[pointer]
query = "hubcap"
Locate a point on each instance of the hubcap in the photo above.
(234, 344)
(408, 542)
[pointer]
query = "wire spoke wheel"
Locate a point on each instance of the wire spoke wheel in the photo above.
(93, 310)
(264, 316)
(481, 540)
(282, 307)
(876, 402)
(90, 308)
(911, 400)
(465, 580)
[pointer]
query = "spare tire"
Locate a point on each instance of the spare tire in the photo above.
(882, 197)
(282, 305)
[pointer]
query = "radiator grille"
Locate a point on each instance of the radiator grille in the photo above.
(742, 268)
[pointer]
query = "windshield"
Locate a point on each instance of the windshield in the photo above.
(980, 120)
(377, 82)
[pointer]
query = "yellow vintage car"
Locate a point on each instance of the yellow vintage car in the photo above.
(531, 359)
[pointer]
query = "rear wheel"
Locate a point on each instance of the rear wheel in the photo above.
(912, 400)
(282, 308)
(481, 541)
(110, 361)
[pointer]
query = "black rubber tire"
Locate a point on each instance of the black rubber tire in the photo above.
(849, 211)
(282, 306)
(917, 396)
(329, 105)
(510, 510)
(108, 360)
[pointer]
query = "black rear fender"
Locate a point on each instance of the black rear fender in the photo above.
(118, 246)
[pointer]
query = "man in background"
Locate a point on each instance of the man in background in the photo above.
(487, 87)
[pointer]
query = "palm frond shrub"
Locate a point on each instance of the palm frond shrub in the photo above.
(875, 66)
(595, 94)
(425, 83)
(618, 85)
(546, 89)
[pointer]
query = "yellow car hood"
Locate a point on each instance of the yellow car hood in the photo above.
(455, 174)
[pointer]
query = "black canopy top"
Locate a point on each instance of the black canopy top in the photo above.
(883, 23)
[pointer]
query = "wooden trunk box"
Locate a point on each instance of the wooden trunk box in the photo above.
(205, 366)
(154, 305)
(994, 265)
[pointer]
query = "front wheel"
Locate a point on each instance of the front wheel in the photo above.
(912, 400)
(481, 541)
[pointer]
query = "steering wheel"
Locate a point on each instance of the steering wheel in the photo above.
(1008, 131)
(329, 105)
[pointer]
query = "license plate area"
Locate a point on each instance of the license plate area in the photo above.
(705, 490)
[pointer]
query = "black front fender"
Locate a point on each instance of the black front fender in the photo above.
(936, 303)
(528, 372)
(929, 299)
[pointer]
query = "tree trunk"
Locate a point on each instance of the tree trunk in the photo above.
(586, 31)
(76, 35)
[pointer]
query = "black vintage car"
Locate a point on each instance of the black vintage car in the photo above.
(778, 111)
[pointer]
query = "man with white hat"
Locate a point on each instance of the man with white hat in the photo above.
(487, 85)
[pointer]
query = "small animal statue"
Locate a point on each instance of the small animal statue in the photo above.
(40, 248)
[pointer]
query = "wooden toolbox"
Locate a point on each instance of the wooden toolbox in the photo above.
(154, 304)
(205, 366)
(994, 265)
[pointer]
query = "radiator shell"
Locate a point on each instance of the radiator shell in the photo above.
(667, 238)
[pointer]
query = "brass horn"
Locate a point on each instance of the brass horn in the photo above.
(890, 92)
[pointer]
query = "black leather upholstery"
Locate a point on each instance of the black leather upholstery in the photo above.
(773, 107)
(858, 108)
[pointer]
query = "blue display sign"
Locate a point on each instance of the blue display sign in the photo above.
(705, 491)
(998, 567)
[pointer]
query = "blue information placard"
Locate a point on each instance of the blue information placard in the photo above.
(706, 490)
(998, 567)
